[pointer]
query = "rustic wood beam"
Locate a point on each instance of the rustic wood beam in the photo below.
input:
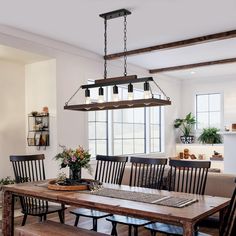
(189, 66)
(177, 44)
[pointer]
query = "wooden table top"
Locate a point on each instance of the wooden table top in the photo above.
(206, 205)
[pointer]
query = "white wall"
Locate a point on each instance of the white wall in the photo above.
(40, 91)
(12, 115)
(172, 88)
(222, 84)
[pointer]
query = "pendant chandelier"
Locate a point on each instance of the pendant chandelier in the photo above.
(148, 99)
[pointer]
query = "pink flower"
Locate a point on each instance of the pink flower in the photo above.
(73, 159)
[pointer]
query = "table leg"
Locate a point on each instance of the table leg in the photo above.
(188, 229)
(8, 214)
(222, 216)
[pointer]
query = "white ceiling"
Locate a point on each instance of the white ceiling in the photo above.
(20, 56)
(152, 22)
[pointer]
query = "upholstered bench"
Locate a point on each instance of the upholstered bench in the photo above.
(49, 228)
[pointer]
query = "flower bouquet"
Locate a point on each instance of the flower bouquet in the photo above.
(75, 159)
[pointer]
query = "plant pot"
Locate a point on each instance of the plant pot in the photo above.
(75, 174)
(187, 139)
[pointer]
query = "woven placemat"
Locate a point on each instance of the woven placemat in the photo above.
(145, 197)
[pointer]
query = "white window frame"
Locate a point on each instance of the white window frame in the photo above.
(221, 109)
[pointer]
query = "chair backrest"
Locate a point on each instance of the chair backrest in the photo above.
(188, 176)
(29, 168)
(147, 172)
(228, 227)
(110, 169)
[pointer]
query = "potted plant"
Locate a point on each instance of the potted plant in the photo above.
(186, 125)
(210, 136)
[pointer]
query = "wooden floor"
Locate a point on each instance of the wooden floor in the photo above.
(103, 225)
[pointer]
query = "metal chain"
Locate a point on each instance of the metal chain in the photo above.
(105, 48)
(125, 45)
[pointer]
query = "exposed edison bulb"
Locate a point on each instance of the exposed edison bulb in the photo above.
(100, 99)
(130, 96)
(115, 96)
(87, 100)
(147, 95)
(87, 97)
(130, 92)
(100, 95)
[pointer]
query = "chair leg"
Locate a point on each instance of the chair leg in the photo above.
(76, 221)
(24, 220)
(61, 216)
(135, 231)
(114, 231)
(130, 230)
(45, 217)
(153, 233)
(41, 218)
(95, 224)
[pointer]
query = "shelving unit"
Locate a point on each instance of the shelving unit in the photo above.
(38, 130)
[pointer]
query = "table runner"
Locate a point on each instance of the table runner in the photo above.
(145, 197)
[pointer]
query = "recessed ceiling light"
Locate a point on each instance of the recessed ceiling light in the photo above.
(192, 72)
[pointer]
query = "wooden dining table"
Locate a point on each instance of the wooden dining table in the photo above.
(187, 216)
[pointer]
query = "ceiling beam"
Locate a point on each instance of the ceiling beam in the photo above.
(176, 44)
(190, 66)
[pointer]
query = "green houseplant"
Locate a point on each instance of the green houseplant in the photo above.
(210, 136)
(186, 126)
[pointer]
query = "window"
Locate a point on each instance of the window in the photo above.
(97, 132)
(129, 128)
(155, 129)
(208, 110)
(124, 131)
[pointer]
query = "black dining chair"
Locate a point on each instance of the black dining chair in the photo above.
(29, 168)
(184, 176)
(145, 172)
(109, 169)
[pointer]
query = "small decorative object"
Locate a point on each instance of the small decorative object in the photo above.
(186, 125)
(201, 156)
(216, 156)
(227, 129)
(186, 153)
(75, 160)
(34, 113)
(233, 127)
(210, 136)
(181, 155)
(45, 110)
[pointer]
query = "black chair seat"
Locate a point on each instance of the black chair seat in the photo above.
(89, 213)
(125, 220)
(170, 229)
(42, 210)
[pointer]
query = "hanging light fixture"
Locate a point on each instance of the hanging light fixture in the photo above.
(116, 103)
